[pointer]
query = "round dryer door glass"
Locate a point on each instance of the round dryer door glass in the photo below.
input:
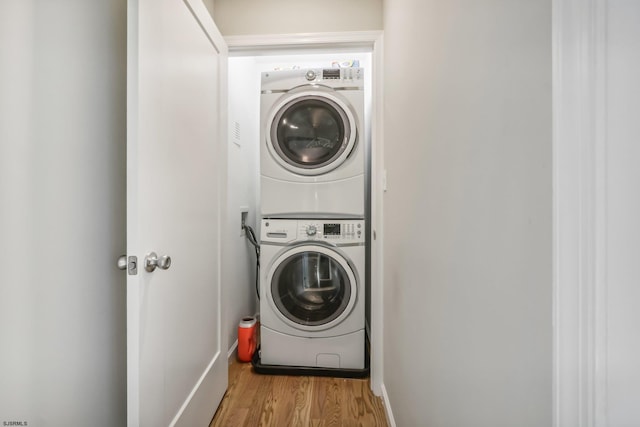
(311, 288)
(310, 132)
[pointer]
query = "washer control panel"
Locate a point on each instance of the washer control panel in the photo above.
(324, 74)
(332, 230)
(291, 230)
(312, 230)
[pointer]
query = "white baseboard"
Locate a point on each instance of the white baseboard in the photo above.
(387, 407)
(233, 350)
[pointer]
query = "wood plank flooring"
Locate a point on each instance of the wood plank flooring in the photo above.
(269, 400)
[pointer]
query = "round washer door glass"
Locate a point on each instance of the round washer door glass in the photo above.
(311, 288)
(311, 132)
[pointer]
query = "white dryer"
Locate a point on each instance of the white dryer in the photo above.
(312, 144)
(312, 301)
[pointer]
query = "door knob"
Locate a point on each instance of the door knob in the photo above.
(122, 262)
(128, 263)
(151, 261)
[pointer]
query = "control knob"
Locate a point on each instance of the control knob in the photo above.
(312, 230)
(311, 75)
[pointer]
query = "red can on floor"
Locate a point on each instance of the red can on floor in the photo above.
(247, 342)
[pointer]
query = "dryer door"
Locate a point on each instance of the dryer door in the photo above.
(311, 132)
(312, 287)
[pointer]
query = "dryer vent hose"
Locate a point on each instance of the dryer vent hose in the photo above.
(251, 237)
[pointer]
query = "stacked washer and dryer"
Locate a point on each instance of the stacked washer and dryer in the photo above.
(312, 196)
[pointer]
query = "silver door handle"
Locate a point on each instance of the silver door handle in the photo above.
(151, 261)
(122, 262)
(128, 263)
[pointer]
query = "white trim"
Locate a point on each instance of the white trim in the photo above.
(202, 16)
(391, 421)
(133, 291)
(579, 227)
(377, 187)
(600, 211)
(196, 393)
(367, 41)
(243, 45)
(232, 351)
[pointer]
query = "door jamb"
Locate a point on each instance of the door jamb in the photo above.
(579, 213)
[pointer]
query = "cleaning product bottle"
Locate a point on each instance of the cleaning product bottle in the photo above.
(247, 338)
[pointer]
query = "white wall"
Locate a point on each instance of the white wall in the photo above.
(622, 208)
(467, 229)
(62, 212)
(240, 17)
(244, 105)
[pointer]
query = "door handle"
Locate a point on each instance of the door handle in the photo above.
(130, 264)
(122, 262)
(151, 261)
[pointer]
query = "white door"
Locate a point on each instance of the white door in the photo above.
(176, 356)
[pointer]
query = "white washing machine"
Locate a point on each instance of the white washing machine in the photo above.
(312, 293)
(312, 144)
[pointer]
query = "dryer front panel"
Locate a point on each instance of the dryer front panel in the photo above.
(312, 287)
(311, 133)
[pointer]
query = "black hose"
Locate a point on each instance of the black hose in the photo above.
(251, 237)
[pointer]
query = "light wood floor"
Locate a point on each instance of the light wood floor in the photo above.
(269, 400)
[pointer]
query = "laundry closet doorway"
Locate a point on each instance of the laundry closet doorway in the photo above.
(248, 57)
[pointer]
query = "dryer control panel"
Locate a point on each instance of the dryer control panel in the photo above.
(338, 78)
(339, 231)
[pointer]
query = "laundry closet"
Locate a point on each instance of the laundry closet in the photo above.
(245, 206)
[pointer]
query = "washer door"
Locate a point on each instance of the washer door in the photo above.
(311, 132)
(311, 287)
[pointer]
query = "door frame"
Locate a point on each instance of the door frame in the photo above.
(579, 285)
(370, 41)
